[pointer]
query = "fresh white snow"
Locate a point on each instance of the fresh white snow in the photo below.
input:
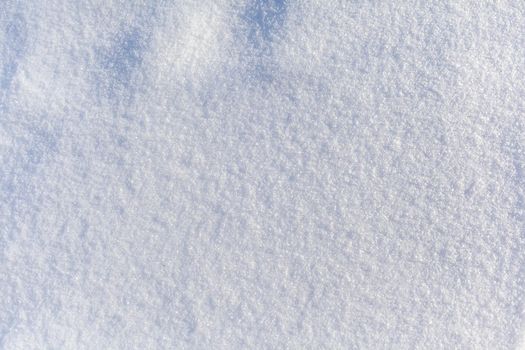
(262, 174)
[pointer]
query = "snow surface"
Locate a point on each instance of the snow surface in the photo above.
(262, 174)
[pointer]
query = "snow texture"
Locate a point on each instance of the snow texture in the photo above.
(262, 174)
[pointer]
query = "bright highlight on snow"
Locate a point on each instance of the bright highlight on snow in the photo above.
(262, 174)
